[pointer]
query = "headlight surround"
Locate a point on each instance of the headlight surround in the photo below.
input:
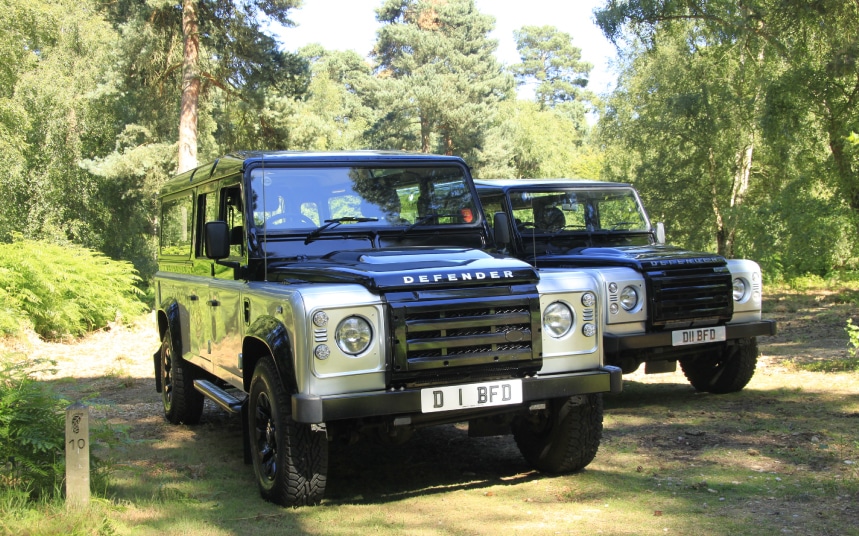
(558, 319)
(741, 289)
(353, 335)
(629, 298)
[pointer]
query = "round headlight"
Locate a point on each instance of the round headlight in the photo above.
(353, 335)
(628, 298)
(589, 299)
(740, 289)
(558, 319)
(589, 330)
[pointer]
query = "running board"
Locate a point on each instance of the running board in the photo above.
(219, 396)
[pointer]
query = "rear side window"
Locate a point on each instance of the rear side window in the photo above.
(176, 224)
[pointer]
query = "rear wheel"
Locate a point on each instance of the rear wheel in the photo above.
(564, 438)
(182, 403)
(727, 371)
(290, 459)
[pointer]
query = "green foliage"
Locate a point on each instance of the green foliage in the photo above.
(64, 290)
(551, 61)
(853, 334)
(31, 429)
(736, 123)
(537, 143)
(438, 76)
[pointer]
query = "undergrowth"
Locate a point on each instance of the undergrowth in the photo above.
(63, 290)
(32, 435)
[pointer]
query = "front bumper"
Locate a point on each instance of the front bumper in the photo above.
(615, 344)
(319, 409)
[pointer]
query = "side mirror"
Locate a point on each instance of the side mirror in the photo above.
(501, 229)
(217, 240)
(660, 233)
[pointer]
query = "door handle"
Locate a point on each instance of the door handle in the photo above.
(213, 303)
(193, 297)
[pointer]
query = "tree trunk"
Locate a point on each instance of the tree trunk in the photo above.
(425, 135)
(720, 223)
(190, 88)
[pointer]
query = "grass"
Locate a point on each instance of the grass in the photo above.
(780, 457)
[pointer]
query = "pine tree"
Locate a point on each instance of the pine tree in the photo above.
(438, 72)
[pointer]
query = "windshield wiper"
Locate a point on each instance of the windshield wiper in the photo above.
(330, 224)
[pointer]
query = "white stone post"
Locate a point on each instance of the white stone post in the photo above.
(77, 456)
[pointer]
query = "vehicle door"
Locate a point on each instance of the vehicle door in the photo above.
(227, 310)
(197, 292)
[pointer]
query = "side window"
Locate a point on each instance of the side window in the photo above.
(176, 226)
(233, 214)
(344, 205)
(491, 205)
(310, 210)
(207, 208)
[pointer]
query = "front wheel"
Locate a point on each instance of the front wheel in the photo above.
(727, 371)
(290, 459)
(565, 437)
(182, 403)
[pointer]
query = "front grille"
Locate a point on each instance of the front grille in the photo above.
(687, 296)
(465, 339)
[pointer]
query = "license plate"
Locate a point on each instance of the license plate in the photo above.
(683, 337)
(473, 395)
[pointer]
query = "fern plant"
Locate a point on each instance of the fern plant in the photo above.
(62, 290)
(31, 429)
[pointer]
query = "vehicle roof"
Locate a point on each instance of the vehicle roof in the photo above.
(236, 162)
(510, 184)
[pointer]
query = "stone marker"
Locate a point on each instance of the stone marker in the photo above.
(77, 455)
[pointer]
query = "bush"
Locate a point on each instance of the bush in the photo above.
(62, 290)
(32, 429)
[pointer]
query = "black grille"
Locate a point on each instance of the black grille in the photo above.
(687, 296)
(473, 338)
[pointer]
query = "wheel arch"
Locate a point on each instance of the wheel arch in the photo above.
(267, 336)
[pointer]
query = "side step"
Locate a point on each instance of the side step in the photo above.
(219, 396)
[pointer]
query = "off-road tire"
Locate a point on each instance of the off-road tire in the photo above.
(563, 439)
(182, 403)
(727, 371)
(290, 459)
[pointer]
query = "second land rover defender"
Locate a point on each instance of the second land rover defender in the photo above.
(341, 295)
(661, 304)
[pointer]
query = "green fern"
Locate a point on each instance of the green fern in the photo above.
(63, 290)
(31, 429)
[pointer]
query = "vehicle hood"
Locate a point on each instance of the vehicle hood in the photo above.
(648, 258)
(409, 269)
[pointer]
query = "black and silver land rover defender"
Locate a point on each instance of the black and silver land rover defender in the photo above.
(338, 295)
(661, 304)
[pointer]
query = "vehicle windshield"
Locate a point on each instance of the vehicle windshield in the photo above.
(343, 199)
(576, 211)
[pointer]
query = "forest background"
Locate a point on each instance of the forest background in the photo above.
(735, 119)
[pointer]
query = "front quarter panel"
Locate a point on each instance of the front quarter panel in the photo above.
(748, 308)
(574, 351)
